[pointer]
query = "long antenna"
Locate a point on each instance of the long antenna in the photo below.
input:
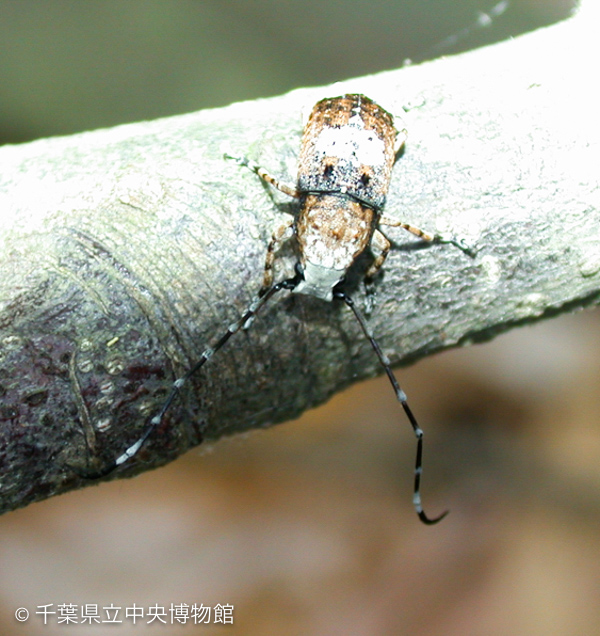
(401, 396)
(155, 422)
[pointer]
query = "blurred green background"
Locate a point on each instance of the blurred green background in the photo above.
(67, 65)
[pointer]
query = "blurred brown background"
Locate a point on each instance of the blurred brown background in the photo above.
(308, 528)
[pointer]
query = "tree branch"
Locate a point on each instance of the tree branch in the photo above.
(126, 251)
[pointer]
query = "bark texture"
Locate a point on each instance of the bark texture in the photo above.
(124, 252)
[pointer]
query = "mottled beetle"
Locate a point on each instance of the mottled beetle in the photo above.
(348, 151)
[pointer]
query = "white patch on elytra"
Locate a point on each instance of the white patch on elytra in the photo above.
(351, 143)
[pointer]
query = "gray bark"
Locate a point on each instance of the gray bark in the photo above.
(126, 251)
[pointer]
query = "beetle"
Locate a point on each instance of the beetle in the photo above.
(348, 150)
